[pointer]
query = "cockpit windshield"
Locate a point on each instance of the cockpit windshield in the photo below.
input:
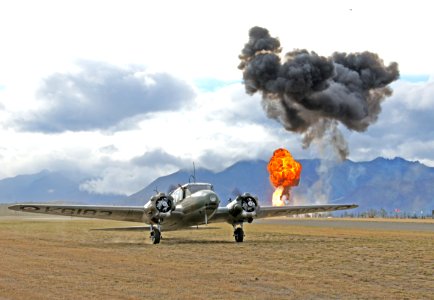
(195, 187)
(188, 189)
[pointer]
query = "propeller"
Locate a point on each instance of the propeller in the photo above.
(163, 204)
(248, 204)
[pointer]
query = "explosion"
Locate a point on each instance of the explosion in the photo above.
(284, 174)
(311, 94)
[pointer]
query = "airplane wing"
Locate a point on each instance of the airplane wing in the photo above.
(146, 228)
(277, 211)
(222, 213)
(119, 213)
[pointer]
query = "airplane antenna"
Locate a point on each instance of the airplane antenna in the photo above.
(156, 190)
(193, 176)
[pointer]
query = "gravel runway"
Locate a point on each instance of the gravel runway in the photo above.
(406, 225)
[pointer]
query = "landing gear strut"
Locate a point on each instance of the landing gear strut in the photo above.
(155, 234)
(239, 233)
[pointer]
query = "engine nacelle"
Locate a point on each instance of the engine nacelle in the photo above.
(244, 207)
(159, 206)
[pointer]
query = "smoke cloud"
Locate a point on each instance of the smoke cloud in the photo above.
(311, 94)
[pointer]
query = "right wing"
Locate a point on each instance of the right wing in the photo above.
(119, 213)
(222, 214)
(277, 211)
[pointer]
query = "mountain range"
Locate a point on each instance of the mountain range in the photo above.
(47, 186)
(389, 184)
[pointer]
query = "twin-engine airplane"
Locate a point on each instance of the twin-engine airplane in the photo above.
(189, 205)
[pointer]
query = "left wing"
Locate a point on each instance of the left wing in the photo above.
(119, 213)
(222, 214)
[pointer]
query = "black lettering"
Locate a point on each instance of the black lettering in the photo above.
(68, 211)
(54, 210)
(30, 208)
(89, 212)
(105, 212)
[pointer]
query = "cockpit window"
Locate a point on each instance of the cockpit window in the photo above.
(177, 194)
(190, 188)
(193, 188)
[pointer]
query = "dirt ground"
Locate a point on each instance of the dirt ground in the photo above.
(64, 259)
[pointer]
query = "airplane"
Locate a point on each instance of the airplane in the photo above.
(189, 205)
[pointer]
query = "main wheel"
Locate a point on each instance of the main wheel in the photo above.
(239, 235)
(155, 236)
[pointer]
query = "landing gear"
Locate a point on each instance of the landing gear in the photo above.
(155, 234)
(239, 233)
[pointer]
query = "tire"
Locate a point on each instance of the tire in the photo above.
(156, 236)
(239, 235)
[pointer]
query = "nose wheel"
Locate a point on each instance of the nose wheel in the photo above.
(239, 234)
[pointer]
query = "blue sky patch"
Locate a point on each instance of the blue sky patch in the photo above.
(415, 78)
(212, 84)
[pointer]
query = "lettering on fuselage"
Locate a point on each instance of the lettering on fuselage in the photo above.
(67, 211)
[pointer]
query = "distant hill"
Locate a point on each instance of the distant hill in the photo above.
(47, 186)
(381, 183)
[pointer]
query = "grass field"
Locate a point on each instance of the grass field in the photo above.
(62, 258)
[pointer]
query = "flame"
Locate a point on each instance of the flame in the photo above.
(277, 197)
(284, 174)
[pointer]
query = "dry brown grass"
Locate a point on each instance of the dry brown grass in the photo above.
(55, 259)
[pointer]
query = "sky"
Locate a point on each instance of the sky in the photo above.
(123, 92)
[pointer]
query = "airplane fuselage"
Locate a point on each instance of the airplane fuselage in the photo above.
(195, 209)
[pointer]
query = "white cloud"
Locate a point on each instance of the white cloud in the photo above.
(404, 127)
(415, 96)
(109, 149)
(102, 96)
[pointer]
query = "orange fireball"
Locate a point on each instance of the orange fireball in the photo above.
(284, 174)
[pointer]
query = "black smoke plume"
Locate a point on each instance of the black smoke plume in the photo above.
(310, 94)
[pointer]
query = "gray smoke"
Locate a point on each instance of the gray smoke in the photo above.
(311, 94)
